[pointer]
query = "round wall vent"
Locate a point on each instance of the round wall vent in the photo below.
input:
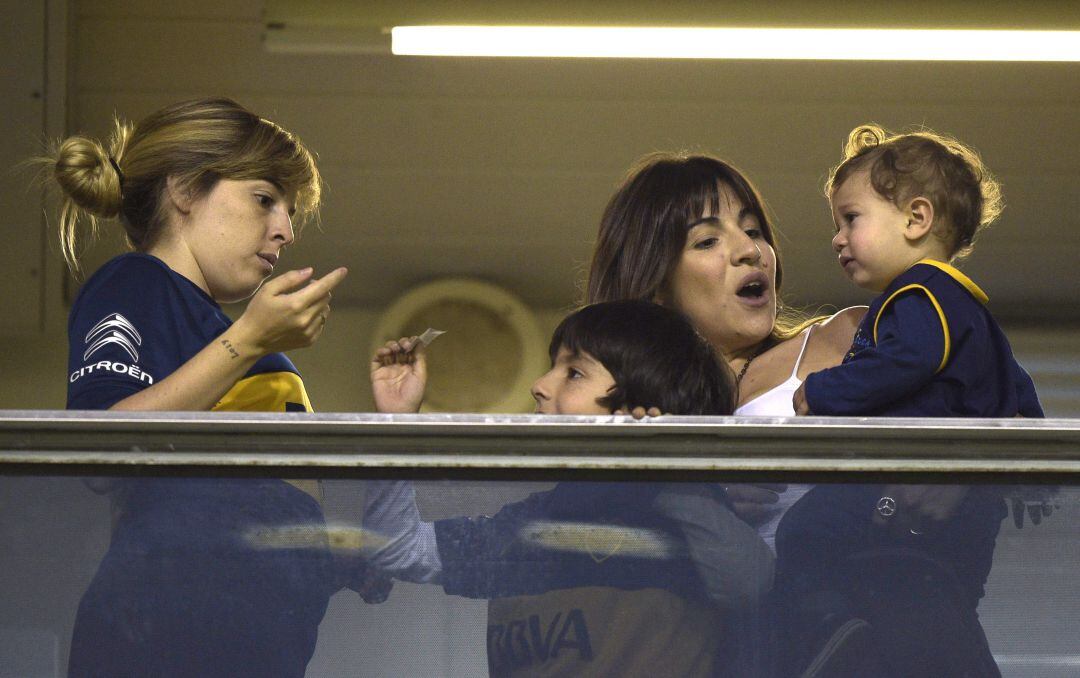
(490, 355)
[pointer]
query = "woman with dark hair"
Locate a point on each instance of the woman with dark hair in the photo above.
(691, 232)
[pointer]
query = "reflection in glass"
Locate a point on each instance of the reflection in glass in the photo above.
(518, 578)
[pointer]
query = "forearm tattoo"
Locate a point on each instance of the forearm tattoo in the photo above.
(230, 348)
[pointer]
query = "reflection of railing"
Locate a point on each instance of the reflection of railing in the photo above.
(462, 445)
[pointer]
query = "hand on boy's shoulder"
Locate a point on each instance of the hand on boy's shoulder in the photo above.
(639, 412)
(754, 503)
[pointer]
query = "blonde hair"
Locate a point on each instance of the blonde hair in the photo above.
(196, 143)
(790, 323)
(940, 168)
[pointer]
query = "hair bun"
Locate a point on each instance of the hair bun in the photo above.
(88, 176)
(863, 138)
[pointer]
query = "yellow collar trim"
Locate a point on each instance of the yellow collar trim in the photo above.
(959, 277)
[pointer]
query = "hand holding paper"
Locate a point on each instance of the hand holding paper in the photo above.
(429, 336)
(399, 373)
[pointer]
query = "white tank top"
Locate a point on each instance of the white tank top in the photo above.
(776, 402)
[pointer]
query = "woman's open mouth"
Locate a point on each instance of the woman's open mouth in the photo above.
(754, 289)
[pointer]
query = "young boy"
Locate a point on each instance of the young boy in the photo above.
(586, 578)
(894, 573)
(904, 207)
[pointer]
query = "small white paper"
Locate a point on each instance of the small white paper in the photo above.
(429, 336)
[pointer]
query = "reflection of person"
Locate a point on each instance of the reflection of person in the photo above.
(905, 206)
(206, 192)
(605, 357)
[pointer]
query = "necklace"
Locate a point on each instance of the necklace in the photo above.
(742, 372)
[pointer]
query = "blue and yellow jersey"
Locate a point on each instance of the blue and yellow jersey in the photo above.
(927, 347)
(136, 321)
(603, 609)
(603, 631)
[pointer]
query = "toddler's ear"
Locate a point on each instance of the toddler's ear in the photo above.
(920, 215)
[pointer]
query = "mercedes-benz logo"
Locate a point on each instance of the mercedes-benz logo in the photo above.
(886, 507)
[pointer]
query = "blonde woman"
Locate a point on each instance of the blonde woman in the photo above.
(206, 193)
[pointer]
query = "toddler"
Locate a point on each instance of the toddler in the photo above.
(894, 573)
(905, 206)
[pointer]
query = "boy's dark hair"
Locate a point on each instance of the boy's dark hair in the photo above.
(966, 198)
(653, 353)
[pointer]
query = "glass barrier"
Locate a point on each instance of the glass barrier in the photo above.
(469, 545)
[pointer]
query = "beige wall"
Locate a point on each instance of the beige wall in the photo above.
(499, 169)
(336, 369)
(33, 373)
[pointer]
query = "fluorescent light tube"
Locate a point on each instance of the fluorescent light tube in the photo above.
(737, 43)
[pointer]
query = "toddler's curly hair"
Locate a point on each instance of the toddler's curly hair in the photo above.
(952, 176)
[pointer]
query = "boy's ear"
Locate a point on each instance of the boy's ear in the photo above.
(179, 196)
(920, 215)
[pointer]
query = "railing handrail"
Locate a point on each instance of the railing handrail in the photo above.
(463, 443)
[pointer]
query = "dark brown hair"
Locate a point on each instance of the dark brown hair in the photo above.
(643, 229)
(966, 198)
(653, 353)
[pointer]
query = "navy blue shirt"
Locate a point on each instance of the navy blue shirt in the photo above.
(136, 321)
(928, 347)
(176, 594)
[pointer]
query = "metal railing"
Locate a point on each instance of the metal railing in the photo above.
(465, 444)
(55, 529)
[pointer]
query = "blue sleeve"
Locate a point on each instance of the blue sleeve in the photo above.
(908, 353)
(1026, 396)
(121, 335)
(485, 557)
